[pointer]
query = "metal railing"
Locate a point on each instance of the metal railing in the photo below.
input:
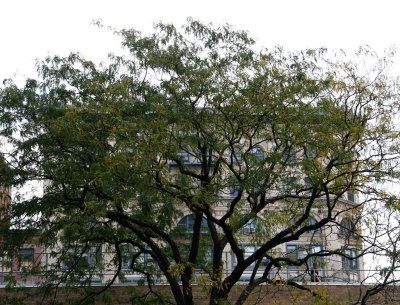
(102, 276)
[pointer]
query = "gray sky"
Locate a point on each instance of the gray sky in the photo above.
(33, 29)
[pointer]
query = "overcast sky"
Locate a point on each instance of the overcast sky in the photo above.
(33, 29)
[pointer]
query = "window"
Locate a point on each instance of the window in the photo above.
(248, 250)
(350, 262)
(311, 222)
(128, 252)
(93, 257)
(258, 153)
(289, 157)
(350, 195)
(184, 156)
(68, 260)
(300, 251)
(310, 153)
(203, 259)
(308, 183)
(234, 191)
(126, 256)
(142, 262)
(5, 262)
(236, 156)
(73, 256)
(347, 227)
(250, 227)
(197, 161)
(187, 222)
(26, 258)
(290, 184)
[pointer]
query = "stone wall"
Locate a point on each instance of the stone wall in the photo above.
(265, 295)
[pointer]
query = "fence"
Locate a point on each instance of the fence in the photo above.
(24, 277)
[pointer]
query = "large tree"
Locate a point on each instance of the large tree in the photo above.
(256, 148)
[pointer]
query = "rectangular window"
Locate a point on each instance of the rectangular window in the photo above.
(184, 156)
(248, 251)
(26, 258)
(126, 256)
(74, 256)
(203, 259)
(250, 227)
(129, 251)
(290, 185)
(235, 156)
(258, 153)
(5, 262)
(300, 251)
(350, 262)
(308, 183)
(350, 196)
(312, 221)
(308, 186)
(196, 160)
(289, 157)
(82, 261)
(310, 153)
(234, 191)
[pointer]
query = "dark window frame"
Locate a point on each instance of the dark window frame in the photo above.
(187, 222)
(350, 263)
(258, 153)
(26, 258)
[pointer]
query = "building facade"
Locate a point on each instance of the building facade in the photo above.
(341, 234)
